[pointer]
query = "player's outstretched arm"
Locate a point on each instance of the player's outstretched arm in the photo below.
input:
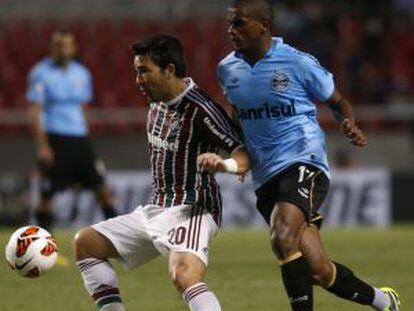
(238, 163)
(342, 111)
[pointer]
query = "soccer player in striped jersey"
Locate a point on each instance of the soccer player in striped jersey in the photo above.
(273, 88)
(185, 213)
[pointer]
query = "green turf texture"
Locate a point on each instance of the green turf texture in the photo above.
(243, 273)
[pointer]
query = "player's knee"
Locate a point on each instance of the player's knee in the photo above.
(283, 240)
(83, 243)
(180, 276)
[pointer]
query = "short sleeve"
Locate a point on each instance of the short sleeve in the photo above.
(36, 87)
(217, 128)
(316, 79)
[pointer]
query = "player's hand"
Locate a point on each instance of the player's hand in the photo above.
(46, 156)
(210, 162)
(354, 133)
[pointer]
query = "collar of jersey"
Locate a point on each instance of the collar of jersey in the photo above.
(276, 41)
(190, 84)
(56, 66)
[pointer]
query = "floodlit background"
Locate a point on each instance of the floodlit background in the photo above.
(368, 45)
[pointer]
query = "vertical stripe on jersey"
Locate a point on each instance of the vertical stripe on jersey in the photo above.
(152, 122)
(169, 168)
(188, 165)
(165, 129)
(175, 193)
(158, 128)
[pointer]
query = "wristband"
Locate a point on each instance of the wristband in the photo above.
(231, 166)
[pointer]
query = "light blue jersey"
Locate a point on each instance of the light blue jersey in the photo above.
(274, 101)
(62, 92)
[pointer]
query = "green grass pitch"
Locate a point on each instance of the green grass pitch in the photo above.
(242, 272)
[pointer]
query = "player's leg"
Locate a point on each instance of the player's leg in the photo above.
(336, 278)
(92, 250)
(54, 177)
(183, 234)
(122, 237)
(106, 200)
(50, 184)
(187, 272)
(287, 223)
(44, 214)
(92, 175)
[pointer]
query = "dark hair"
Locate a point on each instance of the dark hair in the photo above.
(261, 9)
(163, 50)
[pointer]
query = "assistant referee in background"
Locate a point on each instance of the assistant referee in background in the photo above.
(59, 87)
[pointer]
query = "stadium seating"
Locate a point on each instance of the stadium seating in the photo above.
(356, 56)
(105, 47)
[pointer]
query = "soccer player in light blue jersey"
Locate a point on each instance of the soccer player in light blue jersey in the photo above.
(273, 89)
(58, 89)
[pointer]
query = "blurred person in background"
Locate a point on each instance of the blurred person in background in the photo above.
(185, 212)
(272, 88)
(59, 88)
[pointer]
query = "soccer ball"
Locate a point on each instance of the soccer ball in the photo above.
(31, 251)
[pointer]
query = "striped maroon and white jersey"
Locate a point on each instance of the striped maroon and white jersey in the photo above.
(179, 131)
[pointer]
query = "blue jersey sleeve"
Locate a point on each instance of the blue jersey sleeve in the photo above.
(36, 87)
(316, 79)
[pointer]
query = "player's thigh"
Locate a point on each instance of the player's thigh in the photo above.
(287, 222)
(184, 229)
(90, 243)
(302, 185)
(128, 234)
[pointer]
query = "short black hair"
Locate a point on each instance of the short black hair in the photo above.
(163, 50)
(262, 9)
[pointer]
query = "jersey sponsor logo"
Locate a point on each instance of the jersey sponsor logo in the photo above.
(215, 131)
(267, 111)
(280, 82)
(160, 143)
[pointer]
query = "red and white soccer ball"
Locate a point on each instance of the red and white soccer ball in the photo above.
(31, 251)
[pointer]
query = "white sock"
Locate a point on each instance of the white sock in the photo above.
(113, 307)
(199, 298)
(101, 282)
(381, 300)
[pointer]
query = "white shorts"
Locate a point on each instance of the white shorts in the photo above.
(151, 230)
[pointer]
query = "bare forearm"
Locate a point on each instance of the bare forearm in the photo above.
(39, 135)
(342, 111)
(341, 107)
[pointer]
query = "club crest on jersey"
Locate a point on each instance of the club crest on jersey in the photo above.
(232, 83)
(174, 127)
(280, 81)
